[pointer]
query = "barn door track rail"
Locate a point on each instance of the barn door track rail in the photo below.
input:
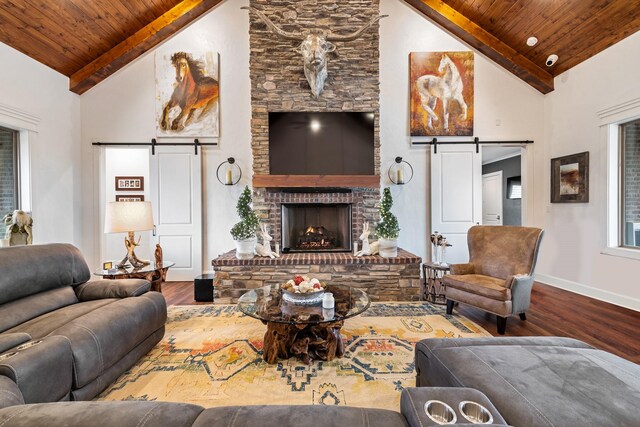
(153, 144)
(475, 141)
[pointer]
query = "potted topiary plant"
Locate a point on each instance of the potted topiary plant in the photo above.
(387, 229)
(244, 232)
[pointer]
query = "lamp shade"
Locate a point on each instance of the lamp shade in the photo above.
(122, 217)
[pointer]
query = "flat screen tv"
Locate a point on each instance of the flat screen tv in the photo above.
(321, 143)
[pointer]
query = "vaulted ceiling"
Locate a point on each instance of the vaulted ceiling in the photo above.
(88, 40)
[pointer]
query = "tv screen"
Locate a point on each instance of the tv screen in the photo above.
(321, 143)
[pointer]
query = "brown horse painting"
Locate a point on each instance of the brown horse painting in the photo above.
(193, 91)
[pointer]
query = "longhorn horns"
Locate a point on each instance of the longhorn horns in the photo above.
(300, 36)
(273, 27)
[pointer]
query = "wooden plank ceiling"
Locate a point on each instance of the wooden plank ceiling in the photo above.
(575, 30)
(88, 40)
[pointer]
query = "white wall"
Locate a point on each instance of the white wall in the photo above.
(122, 109)
(576, 233)
(499, 96)
(36, 89)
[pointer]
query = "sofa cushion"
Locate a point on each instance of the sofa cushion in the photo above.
(28, 270)
(43, 325)
(539, 385)
(120, 414)
(17, 312)
(106, 334)
(479, 284)
(298, 416)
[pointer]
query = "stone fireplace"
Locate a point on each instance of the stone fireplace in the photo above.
(279, 85)
(304, 209)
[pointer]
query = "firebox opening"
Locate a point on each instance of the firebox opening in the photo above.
(316, 227)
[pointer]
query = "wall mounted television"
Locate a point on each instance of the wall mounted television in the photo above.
(321, 143)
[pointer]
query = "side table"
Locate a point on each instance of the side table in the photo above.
(432, 286)
(154, 273)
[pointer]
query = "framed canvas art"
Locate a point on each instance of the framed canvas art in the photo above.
(441, 93)
(187, 91)
(570, 178)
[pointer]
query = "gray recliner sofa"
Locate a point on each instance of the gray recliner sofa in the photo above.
(63, 337)
(13, 412)
(536, 381)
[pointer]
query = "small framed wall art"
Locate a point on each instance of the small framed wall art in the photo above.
(129, 183)
(570, 178)
(129, 198)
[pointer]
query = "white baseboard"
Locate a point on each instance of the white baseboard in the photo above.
(599, 294)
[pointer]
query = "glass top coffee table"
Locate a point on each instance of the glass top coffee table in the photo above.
(306, 331)
(154, 273)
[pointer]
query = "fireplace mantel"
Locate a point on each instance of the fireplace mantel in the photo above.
(316, 181)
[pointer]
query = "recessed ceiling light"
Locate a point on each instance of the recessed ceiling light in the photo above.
(532, 41)
(315, 125)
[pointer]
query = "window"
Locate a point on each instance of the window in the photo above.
(9, 193)
(514, 187)
(630, 184)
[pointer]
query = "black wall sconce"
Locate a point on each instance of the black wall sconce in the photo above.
(400, 171)
(229, 173)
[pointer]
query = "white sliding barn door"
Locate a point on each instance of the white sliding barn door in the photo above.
(456, 196)
(176, 192)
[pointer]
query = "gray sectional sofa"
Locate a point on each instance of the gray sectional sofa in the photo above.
(14, 413)
(537, 381)
(63, 337)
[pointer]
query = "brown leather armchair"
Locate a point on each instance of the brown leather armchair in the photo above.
(499, 275)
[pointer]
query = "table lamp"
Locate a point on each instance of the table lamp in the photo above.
(128, 217)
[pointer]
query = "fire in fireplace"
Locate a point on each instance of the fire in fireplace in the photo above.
(316, 227)
(316, 238)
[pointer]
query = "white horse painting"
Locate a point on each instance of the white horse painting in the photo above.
(447, 86)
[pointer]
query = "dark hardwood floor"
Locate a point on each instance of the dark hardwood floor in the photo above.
(553, 312)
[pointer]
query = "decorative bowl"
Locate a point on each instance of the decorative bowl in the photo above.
(309, 298)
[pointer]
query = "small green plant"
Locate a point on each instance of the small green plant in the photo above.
(388, 227)
(249, 223)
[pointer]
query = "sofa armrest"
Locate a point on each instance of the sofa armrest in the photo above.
(121, 288)
(467, 268)
(10, 394)
(8, 341)
(521, 286)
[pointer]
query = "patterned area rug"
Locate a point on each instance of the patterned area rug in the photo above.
(212, 356)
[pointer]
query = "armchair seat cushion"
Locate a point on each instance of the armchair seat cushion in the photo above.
(478, 284)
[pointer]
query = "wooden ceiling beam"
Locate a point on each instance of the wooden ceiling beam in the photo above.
(140, 42)
(468, 31)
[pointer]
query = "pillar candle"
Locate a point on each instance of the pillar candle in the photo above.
(400, 176)
(229, 180)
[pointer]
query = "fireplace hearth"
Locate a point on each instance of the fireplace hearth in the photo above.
(324, 227)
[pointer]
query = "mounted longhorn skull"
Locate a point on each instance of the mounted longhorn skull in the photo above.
(314, 47)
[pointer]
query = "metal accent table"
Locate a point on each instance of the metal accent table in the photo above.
(305, 331)
(433, 290)
(154, 273)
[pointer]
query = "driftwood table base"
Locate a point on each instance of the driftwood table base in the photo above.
(307, 342)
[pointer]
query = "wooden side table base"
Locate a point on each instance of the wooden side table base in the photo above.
(307, 342)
